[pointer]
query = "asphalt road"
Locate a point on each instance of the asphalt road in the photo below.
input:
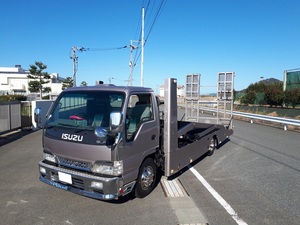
(257, 173)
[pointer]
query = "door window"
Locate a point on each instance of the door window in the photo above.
(139, 111)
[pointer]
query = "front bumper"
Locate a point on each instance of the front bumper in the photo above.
(81, 182)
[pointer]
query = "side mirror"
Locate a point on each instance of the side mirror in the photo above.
(114, 124)
(115, 120)
(37, 115)
(159, 102)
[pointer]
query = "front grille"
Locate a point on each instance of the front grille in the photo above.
(74, 164)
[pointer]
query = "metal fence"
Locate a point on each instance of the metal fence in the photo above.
(19, 115)
(10, 116)
(26, 114)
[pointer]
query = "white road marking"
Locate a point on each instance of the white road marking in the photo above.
(218, 197)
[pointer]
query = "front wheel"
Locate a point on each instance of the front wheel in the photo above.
(146, 179)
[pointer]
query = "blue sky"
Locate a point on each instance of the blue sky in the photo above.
(252, 38)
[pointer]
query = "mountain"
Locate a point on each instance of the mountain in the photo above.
(268, 81)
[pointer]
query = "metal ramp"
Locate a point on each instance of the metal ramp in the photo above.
(220, 109)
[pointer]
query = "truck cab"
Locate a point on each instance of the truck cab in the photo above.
(96, 138)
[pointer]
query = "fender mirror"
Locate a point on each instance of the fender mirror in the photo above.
(115, 120)
(37, 115)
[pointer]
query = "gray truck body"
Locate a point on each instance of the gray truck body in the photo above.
(122, 152)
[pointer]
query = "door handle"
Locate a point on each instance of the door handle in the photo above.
(153, 137)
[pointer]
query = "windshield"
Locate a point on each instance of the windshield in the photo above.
(85, 109)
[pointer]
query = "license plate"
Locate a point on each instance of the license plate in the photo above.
(67, 178)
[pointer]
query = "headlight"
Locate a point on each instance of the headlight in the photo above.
(49, 157)
(116, 169)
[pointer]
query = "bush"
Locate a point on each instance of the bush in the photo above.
(20, 97)
(12, 98)
(47, 97)
(4, 98)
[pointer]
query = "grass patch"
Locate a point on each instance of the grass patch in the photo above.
(270, 111)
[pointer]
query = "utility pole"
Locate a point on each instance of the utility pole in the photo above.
(75, 61)
(131, 63)
(142, 43)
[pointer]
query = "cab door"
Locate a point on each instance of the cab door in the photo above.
(141, 133)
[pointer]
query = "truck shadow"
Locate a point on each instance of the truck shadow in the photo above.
(176, 175)
(13, 136)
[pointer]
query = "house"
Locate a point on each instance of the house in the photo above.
(14, 80)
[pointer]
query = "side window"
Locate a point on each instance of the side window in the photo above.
(139, 110)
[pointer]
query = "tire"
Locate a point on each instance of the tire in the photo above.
(212, 146)
(146, 179)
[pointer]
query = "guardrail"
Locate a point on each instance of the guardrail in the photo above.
(280, 120)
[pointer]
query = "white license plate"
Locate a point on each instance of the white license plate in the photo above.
(67, 178)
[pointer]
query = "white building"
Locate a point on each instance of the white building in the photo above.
(14, 80)
(180, 91)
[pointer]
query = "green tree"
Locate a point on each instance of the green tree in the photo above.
(274, 94)
(292, 97)
(39, 78)
(34, 86)
(67, 83)
(252, 93)
(258, 87)
(248, 98)
(83, 83)
(47, 89)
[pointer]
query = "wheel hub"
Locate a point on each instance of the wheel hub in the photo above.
(147, 178)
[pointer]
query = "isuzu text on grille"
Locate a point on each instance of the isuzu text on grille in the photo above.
(72, 137)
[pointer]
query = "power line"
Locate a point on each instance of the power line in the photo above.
(154, 22)
(158, 13)
(104, 49)
(146, 11)
(74, 57)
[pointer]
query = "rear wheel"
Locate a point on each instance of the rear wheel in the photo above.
(146, 179)
(212, 146)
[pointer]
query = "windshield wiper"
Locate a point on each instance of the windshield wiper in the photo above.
(79, 130)
(68, 125)
(49, 126)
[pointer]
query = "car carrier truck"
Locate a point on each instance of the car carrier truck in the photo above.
(107, 141)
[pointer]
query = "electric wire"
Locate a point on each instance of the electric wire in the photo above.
(154, 22)
(82, 49)
(104, 49)
(161, 7)
(148, 15)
